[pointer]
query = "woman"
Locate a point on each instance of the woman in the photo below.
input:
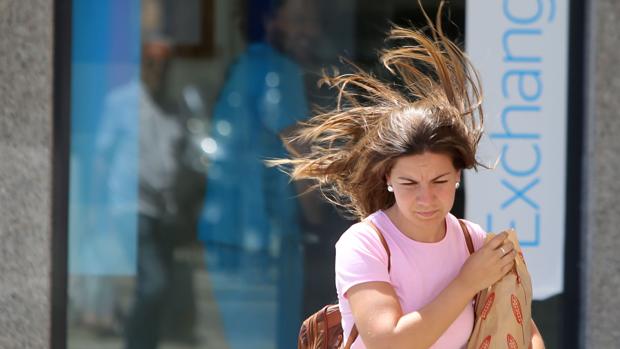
(392, 154)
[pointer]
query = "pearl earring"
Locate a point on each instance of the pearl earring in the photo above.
(457, 185)
(390, 188)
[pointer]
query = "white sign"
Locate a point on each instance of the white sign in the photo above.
(520, 48)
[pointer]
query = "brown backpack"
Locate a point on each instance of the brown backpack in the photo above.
(323, 329)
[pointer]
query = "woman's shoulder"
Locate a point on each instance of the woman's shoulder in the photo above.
(360, 257)
(360, 233)
(477, 233)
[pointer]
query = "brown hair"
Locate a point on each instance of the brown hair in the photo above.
(351, 149)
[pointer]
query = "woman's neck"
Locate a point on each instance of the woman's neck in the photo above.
(427, 233)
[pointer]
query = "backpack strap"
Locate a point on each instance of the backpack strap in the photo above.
(383, 242)
(354, 332)
(470, 244)
(352, 337)
(470, 247)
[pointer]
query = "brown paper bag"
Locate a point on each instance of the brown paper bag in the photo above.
(503, 312)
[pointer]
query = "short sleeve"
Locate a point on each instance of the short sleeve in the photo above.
(360, 258)
(478, 235)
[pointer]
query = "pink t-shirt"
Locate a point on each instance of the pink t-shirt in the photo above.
(420, 271)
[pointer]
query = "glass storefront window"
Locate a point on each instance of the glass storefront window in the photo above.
(179, 236)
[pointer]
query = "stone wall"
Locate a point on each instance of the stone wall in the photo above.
(601, 282)
(25, 171)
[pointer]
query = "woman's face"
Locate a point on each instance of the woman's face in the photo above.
(424, 188)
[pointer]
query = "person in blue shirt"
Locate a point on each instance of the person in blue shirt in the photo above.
(250, 218)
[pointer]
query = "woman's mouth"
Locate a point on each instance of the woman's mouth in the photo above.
(426, 214)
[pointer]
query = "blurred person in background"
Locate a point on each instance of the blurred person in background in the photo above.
(159, 135)
(250, 219)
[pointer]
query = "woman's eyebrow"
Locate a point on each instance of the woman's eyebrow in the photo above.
(441, 175)
(413, 180)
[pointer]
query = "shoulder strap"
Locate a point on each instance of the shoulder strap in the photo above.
(354, 332)
(470, 244)
(470, 247)
(352, 337)
(383, 242)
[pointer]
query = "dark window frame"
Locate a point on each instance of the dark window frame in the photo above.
(61, 138)
(572, 323)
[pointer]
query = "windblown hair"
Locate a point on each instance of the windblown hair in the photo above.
(351, 149)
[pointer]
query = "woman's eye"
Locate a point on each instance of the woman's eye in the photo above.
(408, 183)
(440, 182)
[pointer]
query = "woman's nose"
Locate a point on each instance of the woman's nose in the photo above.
(424, 195)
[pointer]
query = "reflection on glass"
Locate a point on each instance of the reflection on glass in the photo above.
(250, 223)
(180, 237)
(102, 216)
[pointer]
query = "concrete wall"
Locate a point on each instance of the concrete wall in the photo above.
(25, 172)
(601, 283)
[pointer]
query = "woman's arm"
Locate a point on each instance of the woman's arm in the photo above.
(380, 319)
(382, 324)
(537, 340)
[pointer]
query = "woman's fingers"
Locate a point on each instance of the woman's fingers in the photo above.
(496, 258)
(505, 248)
(507, 267)
(497, 241)
(508, 259)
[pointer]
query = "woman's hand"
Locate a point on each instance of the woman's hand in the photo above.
(489, 264)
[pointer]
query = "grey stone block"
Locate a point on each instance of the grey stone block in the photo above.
(25, 172)
(601, 282)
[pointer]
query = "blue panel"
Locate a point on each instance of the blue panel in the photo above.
(104, 137)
